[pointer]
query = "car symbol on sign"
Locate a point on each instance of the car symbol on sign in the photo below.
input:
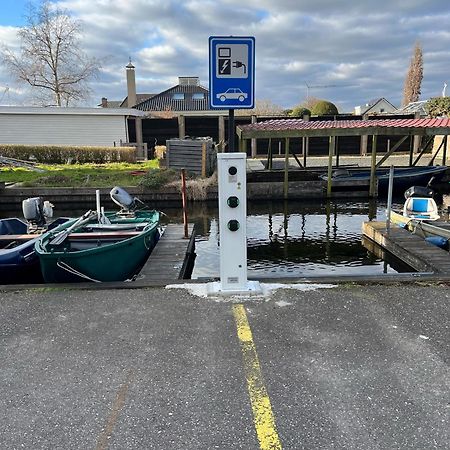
(232, 94)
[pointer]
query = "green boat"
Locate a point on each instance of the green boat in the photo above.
(84, 249)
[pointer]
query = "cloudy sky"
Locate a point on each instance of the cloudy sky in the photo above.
(347, 52)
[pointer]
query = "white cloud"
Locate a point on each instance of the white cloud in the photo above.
(324, 42)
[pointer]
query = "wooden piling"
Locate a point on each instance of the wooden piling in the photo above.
(330, 164)
(373, 164)
(286, 169)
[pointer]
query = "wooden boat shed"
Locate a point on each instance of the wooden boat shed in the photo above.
(298, 128)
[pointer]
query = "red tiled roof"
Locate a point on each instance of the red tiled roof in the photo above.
(299, 124)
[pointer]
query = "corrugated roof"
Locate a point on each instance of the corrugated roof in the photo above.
(289, 127)
(299, 124)
(139, 99)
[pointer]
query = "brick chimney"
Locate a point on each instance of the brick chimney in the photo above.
(104, 102)
(131, 85)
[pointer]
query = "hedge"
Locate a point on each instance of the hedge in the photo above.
(52, 154)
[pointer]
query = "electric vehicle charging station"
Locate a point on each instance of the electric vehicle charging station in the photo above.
(232, 181)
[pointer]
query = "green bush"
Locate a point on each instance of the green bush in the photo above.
(52, 154)
(324, 108)
(300, 111)
(438, 106)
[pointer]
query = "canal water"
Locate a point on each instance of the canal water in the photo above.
(286, 239)
(297, 238)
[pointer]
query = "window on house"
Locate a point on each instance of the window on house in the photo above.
(381, 109)
(198, 96)
(178, 96)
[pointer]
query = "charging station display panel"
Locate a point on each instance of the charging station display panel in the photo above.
(232, 220)
(231, 72)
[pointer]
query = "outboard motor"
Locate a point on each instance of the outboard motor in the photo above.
(122, 198)
(36, 212)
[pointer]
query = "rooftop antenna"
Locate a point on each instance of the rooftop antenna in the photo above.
(321, 86)
(443, 90)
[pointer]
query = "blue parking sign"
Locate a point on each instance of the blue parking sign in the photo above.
(231, 72)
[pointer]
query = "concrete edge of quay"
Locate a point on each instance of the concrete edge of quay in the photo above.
(363, 280)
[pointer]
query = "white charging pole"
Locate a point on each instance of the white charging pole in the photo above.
(232, 180)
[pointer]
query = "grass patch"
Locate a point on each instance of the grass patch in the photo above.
(158, 177)
(80, 175)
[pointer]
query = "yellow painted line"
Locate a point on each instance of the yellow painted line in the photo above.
(263, 417)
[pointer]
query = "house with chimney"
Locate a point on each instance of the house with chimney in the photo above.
(180, 108)
(188, 97)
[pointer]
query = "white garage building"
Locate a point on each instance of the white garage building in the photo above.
(65, 126)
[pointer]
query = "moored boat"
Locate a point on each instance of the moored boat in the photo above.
(404, 177)
(88, 249)
(18, 260)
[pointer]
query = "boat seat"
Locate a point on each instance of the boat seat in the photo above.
(422, 208)
(420, 205)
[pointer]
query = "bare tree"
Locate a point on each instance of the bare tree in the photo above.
(413, 80)
(51, 60)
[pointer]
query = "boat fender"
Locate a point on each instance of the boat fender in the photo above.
(438, 241)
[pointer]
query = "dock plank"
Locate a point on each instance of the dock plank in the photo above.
(410, 248)
(171, 255)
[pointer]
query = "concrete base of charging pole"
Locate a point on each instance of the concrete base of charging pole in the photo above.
(251, 288)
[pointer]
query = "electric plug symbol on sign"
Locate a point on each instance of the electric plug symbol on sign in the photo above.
(232, 61)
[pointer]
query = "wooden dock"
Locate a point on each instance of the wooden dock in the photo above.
(172, 258)
(413, 250)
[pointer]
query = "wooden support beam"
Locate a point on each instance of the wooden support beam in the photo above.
(373, 163)
(392, 150)
(364, 139)
(269, 155)
(430, 140)
(243, 145)
(416, 139)
(336, 151)
(181, 127)
(436, 153)
(304, 152)
(411, 151)
(297, 160)
(444, 155)
(330, 164)
(286, 169)
(204, 160)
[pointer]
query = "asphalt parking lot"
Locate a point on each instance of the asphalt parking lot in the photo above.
(348, 367)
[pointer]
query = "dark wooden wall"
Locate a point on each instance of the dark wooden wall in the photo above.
(157, 131)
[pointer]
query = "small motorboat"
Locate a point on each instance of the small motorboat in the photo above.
(100, 246)
(18, 260)
(420, 203)
(419, 216)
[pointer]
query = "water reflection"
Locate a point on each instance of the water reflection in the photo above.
(299, 238)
